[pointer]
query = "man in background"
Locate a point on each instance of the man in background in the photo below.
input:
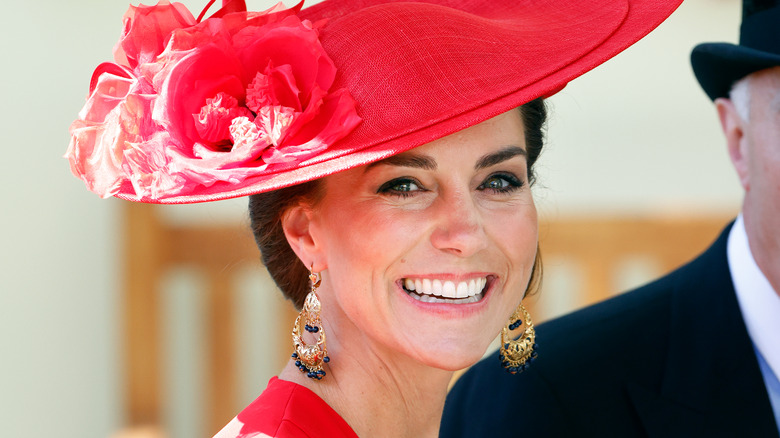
(694, 354)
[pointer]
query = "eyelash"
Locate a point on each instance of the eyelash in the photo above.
(513, 182)
(391, 187)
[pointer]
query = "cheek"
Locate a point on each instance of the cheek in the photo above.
(764, 168)
(516, 231)
(516, 236)
(365, 236)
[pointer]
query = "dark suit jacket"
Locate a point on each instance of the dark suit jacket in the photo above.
(670, 359)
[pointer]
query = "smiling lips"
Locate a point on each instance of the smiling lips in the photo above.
(438, 291)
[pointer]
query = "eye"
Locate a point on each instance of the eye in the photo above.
(501, 183)
(404, 186)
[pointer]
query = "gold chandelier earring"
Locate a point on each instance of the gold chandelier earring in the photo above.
(516, 354)
(310, 358)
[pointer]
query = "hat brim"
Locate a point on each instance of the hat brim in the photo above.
(718, 66)
(484, 61)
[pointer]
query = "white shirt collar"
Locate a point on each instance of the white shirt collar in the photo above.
(759, 303)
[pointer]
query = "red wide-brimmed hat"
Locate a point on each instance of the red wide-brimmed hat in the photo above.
(198, 110)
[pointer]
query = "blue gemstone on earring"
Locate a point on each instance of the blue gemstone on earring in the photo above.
(295, 355)
(326, 359)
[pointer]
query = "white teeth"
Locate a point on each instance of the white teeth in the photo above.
(463, 290)
(448, 290)
(436, 288)
(432, 299)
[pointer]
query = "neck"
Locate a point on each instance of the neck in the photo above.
(378, 393)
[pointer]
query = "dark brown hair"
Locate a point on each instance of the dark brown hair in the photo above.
(266, 211)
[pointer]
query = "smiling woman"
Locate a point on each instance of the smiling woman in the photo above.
(388, 150)
(453, 213)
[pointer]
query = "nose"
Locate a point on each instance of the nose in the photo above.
(459, 229)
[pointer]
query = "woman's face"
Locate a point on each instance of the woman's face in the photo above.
(427, 253)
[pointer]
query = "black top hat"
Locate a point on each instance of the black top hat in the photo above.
(718, 65)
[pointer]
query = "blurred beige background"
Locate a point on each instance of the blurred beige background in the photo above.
(635, 138)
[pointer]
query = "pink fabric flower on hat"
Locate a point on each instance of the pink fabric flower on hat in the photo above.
(189, 104)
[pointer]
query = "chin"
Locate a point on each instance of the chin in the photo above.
(451, 357)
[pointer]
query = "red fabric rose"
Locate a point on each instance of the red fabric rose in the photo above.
(189, 104)
(146, 29)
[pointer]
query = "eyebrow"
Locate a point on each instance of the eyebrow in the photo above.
(428, 163)
(407, 160)
(499, 157)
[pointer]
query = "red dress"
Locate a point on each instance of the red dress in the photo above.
(287, 410)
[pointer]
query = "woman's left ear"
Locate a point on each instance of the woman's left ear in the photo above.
(296, 224)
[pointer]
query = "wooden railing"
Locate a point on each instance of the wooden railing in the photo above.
(598, 247)
(153, 247)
